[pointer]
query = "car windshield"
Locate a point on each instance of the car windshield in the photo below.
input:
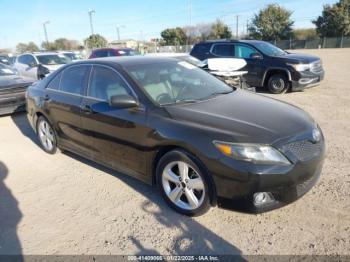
(6, 71)
(177, 82)
(269, 49)
(53, 59)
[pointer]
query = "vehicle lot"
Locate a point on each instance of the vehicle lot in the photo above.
(63, 204)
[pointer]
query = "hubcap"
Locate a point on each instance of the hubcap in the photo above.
(183, 185)
(46, 135)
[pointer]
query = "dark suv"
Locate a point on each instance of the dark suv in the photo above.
(267, 65)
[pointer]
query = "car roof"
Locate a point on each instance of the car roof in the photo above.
(111, 48)
(230, 41)
(130, 60)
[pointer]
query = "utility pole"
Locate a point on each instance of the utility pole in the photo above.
(247, 33)
(118, 30)
(190, 20)
(237, 26)
(45, 31)
(90, 16)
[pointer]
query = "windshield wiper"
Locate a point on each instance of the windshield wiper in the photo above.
(220, 93)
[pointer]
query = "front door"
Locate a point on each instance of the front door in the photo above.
(255, 65)
(117, 135)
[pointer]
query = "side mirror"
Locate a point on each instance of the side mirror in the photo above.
(32, 64)
(123, 101)
(255, 56)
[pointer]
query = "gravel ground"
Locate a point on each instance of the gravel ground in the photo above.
(63, 204)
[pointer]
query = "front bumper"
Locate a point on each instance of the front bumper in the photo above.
(237, 183)
(10, 103)
(306, 79)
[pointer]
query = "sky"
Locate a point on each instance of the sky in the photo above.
(22, 20)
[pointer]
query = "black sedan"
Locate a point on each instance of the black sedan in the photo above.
(169, 123)
(12, 90)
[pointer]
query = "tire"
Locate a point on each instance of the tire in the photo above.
(46, 135)
(278, 84)
(185, 192)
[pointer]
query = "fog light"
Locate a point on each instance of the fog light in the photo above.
(261, 198)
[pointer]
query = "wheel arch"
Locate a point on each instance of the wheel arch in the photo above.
(275, 70)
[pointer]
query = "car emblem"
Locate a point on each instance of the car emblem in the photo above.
(316, 135)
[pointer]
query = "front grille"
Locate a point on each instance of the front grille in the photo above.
(304, 150)
(316, 67)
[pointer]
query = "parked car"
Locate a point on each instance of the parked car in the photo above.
(169, 123)
(71, 55)
(38, 65)
(107, 52)
(180, 56)
(4, 59)
(12, 90)
(267, 65)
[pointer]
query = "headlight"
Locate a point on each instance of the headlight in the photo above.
(300, 67)
(256, 153)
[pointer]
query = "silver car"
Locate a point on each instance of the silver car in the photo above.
(38, 65)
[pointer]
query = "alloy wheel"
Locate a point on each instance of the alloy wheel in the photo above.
(183, 185)
(46, 135)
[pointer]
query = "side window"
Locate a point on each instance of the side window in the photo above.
(242, 51)
(55, 83)
(100, 53)
(23, 59)
(227, 50)
(31, 60)
(106, 83)
(74, 78)
(111, 53)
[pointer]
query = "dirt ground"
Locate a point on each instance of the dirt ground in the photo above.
(63, 204)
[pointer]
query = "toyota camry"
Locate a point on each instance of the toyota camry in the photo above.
(171, 124)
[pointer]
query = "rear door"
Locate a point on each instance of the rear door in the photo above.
(63, 97)
(255, 64)
(116, 135)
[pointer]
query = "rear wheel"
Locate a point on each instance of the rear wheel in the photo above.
(278, 84)
(183, 184)
(46, 135)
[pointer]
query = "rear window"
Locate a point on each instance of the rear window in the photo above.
(200, 49)
(73, 79)
(226, 50)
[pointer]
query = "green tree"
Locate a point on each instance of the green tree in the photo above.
(95, 41)
(219, 30)
(335, 20)
(305, 34)
(30, 47)
(48, 46)
(174, 36)
(271, 23)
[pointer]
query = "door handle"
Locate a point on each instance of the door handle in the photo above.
(86, 109)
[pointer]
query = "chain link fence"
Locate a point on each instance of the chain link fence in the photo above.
(318, 43)
(325, 42)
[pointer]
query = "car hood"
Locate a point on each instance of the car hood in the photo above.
(14, 81)
(245, 117)
(300, 58)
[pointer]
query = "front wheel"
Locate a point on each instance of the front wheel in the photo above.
(183, 184)
(278, 84)
(46, 135)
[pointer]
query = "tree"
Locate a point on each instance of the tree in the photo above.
(271, 23)
(219, 30)
(61, 44)
(95, 41)
(335, 20)
(174, 36)
(305, 34)
(30, 47)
